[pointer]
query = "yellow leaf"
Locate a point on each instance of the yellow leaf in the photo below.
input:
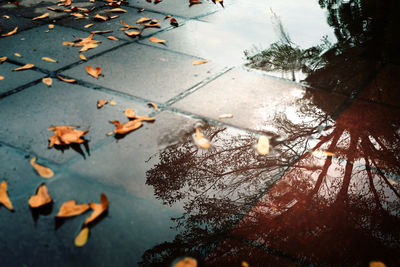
(263, 145)
(93, 72)
(17, 54)
(48, 81)
(10, 33)
(87, 47)
(156, 40)
(66, 80)
(225, 116)
(25, 67)
(130, 113)
(112, 38)
(4, 199)
(117, 10)
(41, 198)
(82, 237)
(132, 33)
(41, 170)
(1, 77)
(112, 103)
(49, 59)
(88, 25)
(70, 209)
(153, 105)
(82, 57)
(199, 62)
(51, 26)
(45, 15)
(98, 209)
(200, 140)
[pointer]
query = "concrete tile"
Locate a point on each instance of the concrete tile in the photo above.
(265, 104)
(14, 79)
(178, 7)
(115, 25)
(27, 115)
(7, 25)
(38, 44)
(146, 72)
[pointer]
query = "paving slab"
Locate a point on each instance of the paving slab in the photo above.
(119, 238)
(28, 114)
(7, 24)
(146, 72)
(14, 79)
(38, 43)
(130, 18)
(178, 7)
(265, 104)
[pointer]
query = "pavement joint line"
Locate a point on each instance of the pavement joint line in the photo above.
(20, 88)
(371, 101)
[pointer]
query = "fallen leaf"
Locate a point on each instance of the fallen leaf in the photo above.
(49, 59)
(200, 140)
(199, 62)
(130, 113)
(87, 47)
(68, 43)
(174, 22)
(127, 27)
(157, 25)
(67, 2)
(101, 32)
(51, 26)
(186, 262)
(225, 116)
(82, 237)
(117, 10)
(66, 80)
(2, 59)
(376, 264)
(46, 31)
(10, 33)
(194, 2)
(65, 135)
(88, 25)
(132, 33)
(263, 145)
(167, 17)
(25, 67)
(22, 39)
(41, 198)
(100, 17)
(17, 54)
(101, 102)
(139, 10)
(219, 1)
(4, 199)
(45, 15)
(98, 209)
(145, 118)
(142, 20)
(156, 40)
(153, 105)
(82, 57)
(320, 153)
(93, 72)
(79, 16)
(43, 171)
(87, 43)
(70, 209)
(245, 264)
(6, 16)
(127, 126)
(1, 77)
(112, 38)
(112, 103)
(48, 81)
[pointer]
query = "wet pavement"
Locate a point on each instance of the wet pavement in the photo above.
(319, 78)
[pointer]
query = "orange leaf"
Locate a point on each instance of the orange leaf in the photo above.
(25, 67)
(100, 32)
(49, 59)
(1, 77)
(88, 25)
(41, 170)
(82, 57)
(194, 2)
(2, 59)
(153, 105)
(45, 15)
(130, 113)
(100, 17)
(145, 118)
(117, 10)
(376, 264)
(17, 54)
(98, 209)
(112, 103)
(101, 102)
(263, 145)
(48, 81)
(93, 72)
(10, 33)
(186, 262)
(156, 40)
(127, 126)
(132, 33)
(51, 26)
(6, 17)
(41, 198)
(66, 80)
(199, 62)
(70, 209)
(82, 237)
(65, 135)
(112, 38)
(4, 199)
(87, 47)
(156, 25)
(67, 2)
(143, 20)
(68, 43)
(200, 140)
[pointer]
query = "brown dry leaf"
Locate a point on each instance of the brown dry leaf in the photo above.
(139, 10)
(1, 77)
(156, 40)
(48, 81)
(167, 16)
(156, 25)
(127, 27)
(17, 54)
(25, 67)
(225, 116)
(98, 209)
(154, 105)
(79, 16)
(82, 237)
(194, 2)
(245, 264)
(174, 22)
(93, 72)
(65, 135)
(66, 80)
(132, 33)
(130, 113)
(4, 199)
(200, 140)
(6, 16)
(43, 171)
(41, 198)
(70, 209)
(45, 15)
(143, 20)
(199, 62)
(87, 43)
(112, 38)
(321, 153)
(88, 25)
(82, 57)
(51, 26)
(377, 264)
(100, 17)
(101, 32)
(101, 102)
(2, 59)
(263, 145)
(117, 10)
(127, 126)
(49, 59)
(10, 33)
(145, 118)
(87, 47)
(186, 262)
(68, 43)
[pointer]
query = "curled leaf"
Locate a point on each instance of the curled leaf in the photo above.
(127, 126)
(41, 198)
(17, 54)
(70, 209)
(49, 59)
(82, 237)
(133, 33)
(48, 81)
(200, 140)
(100, 17)
(10, 33)
(143, 20)
(25, 67)
(117, 10)
(6, 16)
(45, 15)
(66, 80)
(194, 2)
(225, 116)
(4, 199)
(101, 32)
(263, 145)
(2, 59)
(65, 135)
(112, 38)
(145, 118)
(199, 62)
(130, 113)
(93, 72)
(156, 40)
(153, 105)
(127, 27)
(68, 43)
(43, 171)
(82, 57)
(101, 102)
(98, 209)
(88, 25)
